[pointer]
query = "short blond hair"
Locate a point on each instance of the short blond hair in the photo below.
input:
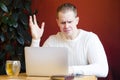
(67, 7)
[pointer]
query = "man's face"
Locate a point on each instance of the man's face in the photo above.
(67, 22)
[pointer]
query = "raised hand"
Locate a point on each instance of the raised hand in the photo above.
(36, 31)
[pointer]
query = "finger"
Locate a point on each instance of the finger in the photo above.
(42, 25)
(30, 21)
(34, 19)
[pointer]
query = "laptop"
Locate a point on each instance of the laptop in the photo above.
(46, 61)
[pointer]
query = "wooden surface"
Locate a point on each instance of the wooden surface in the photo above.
(23, 76)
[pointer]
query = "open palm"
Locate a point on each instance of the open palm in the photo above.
(36, 31)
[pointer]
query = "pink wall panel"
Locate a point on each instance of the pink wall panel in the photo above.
(100, 16)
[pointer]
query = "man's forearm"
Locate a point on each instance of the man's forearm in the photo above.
(93, 69)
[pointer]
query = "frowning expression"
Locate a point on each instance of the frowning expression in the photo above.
(67, 22)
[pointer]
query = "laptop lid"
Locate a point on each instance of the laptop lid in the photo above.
(46, 61)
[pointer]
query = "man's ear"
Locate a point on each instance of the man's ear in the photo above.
(77, 20)
(57, 20)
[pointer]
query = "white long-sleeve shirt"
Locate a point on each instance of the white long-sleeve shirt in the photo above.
(86, 53)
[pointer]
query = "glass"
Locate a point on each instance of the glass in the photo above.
(13, 67)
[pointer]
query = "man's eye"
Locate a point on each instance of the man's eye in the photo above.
(69, 21)
(63, 22)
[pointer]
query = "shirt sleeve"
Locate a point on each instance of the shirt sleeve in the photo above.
(97, 59)
(50, 42)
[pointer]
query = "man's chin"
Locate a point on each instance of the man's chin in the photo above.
(67, 32)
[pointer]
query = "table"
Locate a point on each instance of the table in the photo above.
(23, 76)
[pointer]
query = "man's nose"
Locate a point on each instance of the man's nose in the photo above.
(66, 25)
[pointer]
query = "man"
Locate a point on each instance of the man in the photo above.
(86, 53)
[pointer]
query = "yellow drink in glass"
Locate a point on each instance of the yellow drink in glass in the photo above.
(12, 67)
